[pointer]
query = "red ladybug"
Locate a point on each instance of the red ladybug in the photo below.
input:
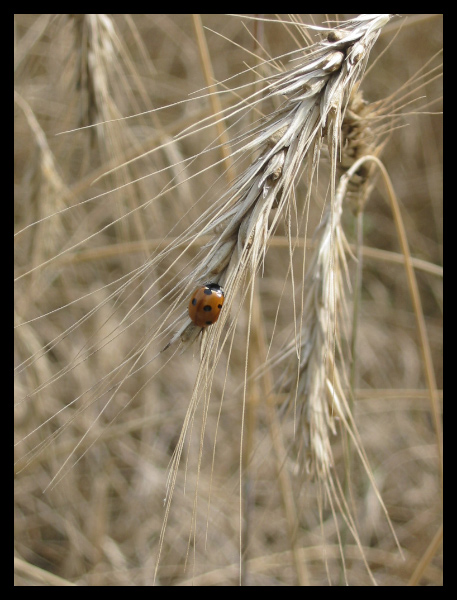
(205, 304)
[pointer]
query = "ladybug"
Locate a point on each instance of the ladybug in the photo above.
(205, 304)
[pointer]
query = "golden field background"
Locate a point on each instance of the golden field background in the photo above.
(79, 237)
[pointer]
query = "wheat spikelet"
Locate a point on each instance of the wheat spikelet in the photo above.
(315, 389)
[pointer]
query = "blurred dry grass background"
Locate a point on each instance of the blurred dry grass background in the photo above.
(101, 524)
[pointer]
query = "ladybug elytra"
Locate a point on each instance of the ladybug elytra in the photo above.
(205, 304)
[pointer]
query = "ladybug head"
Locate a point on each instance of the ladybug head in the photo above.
(214, 286)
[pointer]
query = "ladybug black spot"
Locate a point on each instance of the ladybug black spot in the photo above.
(207, 308)
(194, 301)
(219, 306)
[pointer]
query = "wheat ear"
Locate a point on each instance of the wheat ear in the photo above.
(316, 93)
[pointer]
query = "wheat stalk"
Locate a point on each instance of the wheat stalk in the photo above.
(317, 92)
